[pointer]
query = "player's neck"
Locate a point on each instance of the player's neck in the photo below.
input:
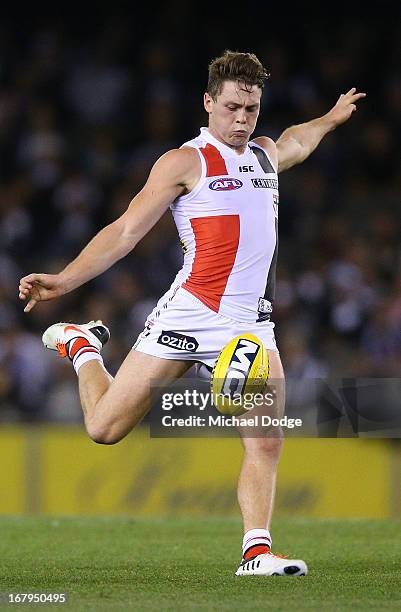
(239, 150)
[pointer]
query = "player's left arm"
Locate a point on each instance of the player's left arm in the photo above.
(297, 142)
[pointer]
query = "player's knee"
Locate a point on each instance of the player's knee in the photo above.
(268, 448)
(271, 447)
(102, 435)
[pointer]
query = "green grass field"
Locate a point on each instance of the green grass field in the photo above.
(188, 564)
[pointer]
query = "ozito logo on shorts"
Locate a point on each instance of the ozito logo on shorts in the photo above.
(178, 341)
(225, 184)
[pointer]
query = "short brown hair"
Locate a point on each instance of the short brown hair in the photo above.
(235, 66)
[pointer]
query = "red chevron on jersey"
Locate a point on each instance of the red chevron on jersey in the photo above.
(215, 164)
(216, 240)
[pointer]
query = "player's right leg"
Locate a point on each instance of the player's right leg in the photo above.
(111, 407)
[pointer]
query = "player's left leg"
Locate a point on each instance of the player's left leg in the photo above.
(257, 480)
(257, 486)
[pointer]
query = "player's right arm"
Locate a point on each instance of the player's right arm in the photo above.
(174, 174)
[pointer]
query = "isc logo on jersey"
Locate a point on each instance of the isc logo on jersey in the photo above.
(242, 368)
(225, 184)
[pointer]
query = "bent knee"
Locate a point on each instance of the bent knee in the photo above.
(102, 435)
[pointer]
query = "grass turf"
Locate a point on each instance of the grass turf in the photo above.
(188, 564)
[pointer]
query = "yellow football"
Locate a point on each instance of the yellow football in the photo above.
(240, 371)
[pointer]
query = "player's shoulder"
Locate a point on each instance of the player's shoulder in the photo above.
(184, 155)
(266, 143)
(269, 146)
(177, 167)
(178, 160)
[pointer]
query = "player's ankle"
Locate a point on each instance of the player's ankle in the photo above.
(80, 351)
(254, 551)
(256, 542)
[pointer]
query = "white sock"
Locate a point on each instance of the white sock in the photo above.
(80, 351)
(256, 537)
(85, 357)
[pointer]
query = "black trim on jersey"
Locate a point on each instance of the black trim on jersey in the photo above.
(271, 279)
(270, 289)
(263, 160)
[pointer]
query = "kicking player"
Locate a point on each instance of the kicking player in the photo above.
(222, 189)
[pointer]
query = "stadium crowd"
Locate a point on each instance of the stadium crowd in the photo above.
(84, 115)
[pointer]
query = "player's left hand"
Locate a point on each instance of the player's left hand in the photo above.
(345, 106)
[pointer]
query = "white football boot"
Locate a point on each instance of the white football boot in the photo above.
(269, 564)
(58, 336)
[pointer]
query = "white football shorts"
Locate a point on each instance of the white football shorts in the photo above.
(182, 327)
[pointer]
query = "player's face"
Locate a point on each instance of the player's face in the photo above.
(233, 115)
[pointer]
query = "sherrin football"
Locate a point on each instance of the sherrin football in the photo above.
(241, 369)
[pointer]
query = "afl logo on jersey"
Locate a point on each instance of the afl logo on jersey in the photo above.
(225, 184)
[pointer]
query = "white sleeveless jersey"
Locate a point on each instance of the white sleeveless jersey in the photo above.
(228, 229)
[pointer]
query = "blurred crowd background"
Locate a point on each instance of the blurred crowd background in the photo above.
(85, 112)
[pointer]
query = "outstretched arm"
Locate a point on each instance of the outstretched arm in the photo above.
(172, 175)
(296, 143)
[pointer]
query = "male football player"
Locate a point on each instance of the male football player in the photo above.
(222, 188)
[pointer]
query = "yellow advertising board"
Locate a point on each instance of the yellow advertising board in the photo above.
(61, 471)
(13, 461)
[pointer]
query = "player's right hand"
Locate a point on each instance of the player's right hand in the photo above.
(39, 288)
